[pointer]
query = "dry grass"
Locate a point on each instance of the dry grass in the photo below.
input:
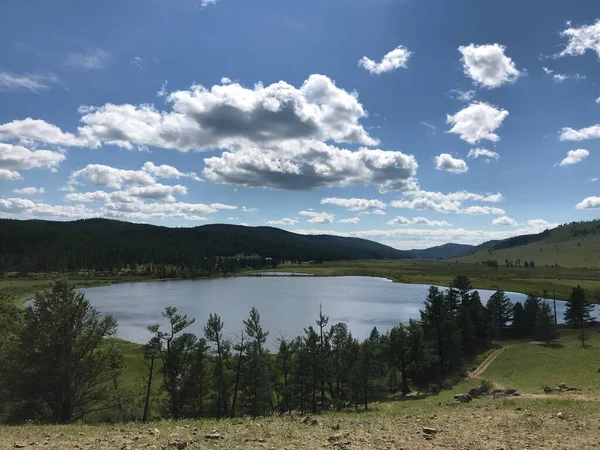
(482, 424)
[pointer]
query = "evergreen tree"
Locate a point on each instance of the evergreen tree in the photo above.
(400, 354)
(322, 322)
(311, 342)
(434, 319)
(501, 312)
(341, 340)
(241, 347)
(545, 330)
(258, 377)
(61, 356)
(213, 331)
(578, 312)
(531, 309)
(519, 325)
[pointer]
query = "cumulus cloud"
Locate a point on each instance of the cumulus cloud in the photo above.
(560, 77)
(504, 220)
(318, 217)
(27, 81)
(447, 163)
(589, 203)
(581, 39)
(307, 165)
(488, 66)
(482, 153)
(250, 210)
(30, 208)
(570, 134)
(166, 171)
(101, 175)
(354, 204)
(29, 191)
(418, 221)
(483, 210)
(145, 211)
(463, 96)
(153, 192)
(9, 175)
(284, 221)
(574, 157)
(38, 130)
(444, 203)
(350, 220)
(16, 157)
(391, 61)
(91, 59)
(477, 122)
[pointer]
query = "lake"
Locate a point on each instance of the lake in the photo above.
(286, 304)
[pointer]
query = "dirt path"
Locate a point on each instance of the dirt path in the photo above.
(485, 364)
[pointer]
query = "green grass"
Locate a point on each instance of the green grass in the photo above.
(555, 280)
(530, 366)
(561, 250)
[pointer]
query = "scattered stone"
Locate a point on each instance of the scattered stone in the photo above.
(213, 436)
(334, 438)
(560, 415)
(571, 388)
(429, 431)
(17, 445)
(548, 389)
(310, 421)
(336, 427)
(154, 431)
(179, 445)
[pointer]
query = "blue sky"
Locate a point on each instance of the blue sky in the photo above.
(409, 122)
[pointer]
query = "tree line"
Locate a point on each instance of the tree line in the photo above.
(59, 362)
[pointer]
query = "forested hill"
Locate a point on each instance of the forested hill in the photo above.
(450, 250)
(102, 244)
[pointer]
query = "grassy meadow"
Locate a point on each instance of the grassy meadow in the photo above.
(556, 421)
(558, 280)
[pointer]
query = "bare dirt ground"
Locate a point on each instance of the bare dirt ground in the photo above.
(485, 364)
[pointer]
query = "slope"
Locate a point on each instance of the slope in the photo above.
(450, 250)
(571, 245)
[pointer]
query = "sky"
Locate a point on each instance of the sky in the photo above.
(408, 122)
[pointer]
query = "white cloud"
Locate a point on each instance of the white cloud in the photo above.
(153, 192)
(28, 81)
(483, 210)
(444, 203)
(102, 175)
(138, 62)
(29, 191)
(16, 157)
(162, 92)
(589, 203)
(391, 61)
(249, 210)
(418, 221)
(30, 208)
(92, 58)
(574, 157)
(38, 130)
(593, 179)
(463, 96)
(284, 221)
(582, 39)
(67, 188)
(226, 80)
(483, 153)
(318, 217)
(504, 220)
(354, 204)
(205, 3)
(539, 225)
(597, 100)
(308, 165)
(570, 134)
(230, 115)
(423, 203)
(446, 163)
(431, 127)
(488, 66)
(560, 77)
(8, 175)
(477, 122)
(166, 171)
(351, 220)
(177, 210)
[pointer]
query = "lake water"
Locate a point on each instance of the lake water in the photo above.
(286, 304)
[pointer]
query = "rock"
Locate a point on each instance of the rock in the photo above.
(560, 415)
(510, 391)
(548, 389)
(154, 431)
(463, 398)
(179, 445)
(571, 388)
(562, 385)
(334, 438)
(213, 436)
(336, 427)
(17, 445)
(475, 392)
(429, 431)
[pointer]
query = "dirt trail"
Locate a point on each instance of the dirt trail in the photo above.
(485, 364)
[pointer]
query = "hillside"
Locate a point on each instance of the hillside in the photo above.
(450, 250)
(102, 244)
(571, 245)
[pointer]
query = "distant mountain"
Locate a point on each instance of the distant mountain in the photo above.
(36, 245)
(450, 250)
(576, 244)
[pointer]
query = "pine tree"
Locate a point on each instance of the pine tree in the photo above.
(531, 309)
(519, 325)
(545, 330)
(400, 354)
(258, 376)
(213, 331)
(501, 312)
(322, 322)
(578, 312)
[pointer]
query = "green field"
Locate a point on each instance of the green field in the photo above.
(556, 421)
(557, 280)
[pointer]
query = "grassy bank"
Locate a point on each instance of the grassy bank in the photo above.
(556, 280)
(557, 421)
